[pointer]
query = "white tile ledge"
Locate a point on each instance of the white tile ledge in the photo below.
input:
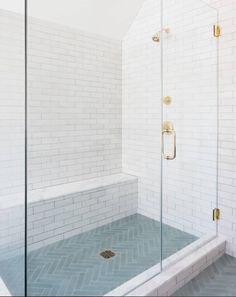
(18, 199)
(176, 276)
(81, 186)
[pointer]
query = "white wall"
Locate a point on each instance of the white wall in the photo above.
(141, 107)
(110, 18)
(12, 131)
(74, 105)
(12, 103)
(189, 182)
(190, 77)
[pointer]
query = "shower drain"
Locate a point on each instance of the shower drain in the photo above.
(107, 254)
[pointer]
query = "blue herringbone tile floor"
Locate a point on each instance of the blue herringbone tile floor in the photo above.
(217, 280)
(74, 267)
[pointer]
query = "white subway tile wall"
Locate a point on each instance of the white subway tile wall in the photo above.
(12, 129)
(141, 107)
(74, 105)
(190, 77)
(12, 104)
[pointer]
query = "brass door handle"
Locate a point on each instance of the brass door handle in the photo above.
(168, 129)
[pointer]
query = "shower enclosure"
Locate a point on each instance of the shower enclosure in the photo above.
(109, 142)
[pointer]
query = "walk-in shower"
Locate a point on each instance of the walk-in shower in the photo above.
(109, 142)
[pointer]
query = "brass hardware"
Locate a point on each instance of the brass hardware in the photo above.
(168, 129)
(166, 30)
(217, 31)
(157, 36)
(216, 214)
(167, 100)
(107, 254)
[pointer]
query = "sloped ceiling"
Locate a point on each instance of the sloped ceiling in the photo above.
(110, 18)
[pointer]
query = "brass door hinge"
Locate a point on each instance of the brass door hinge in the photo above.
(216, 214)
(217, 31)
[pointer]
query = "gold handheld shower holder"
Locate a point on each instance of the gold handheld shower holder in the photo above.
(157, 36)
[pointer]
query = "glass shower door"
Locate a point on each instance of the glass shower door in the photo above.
(94, 122)
(190, 122)
(12, 147)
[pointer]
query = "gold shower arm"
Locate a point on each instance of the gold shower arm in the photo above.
(157, 36)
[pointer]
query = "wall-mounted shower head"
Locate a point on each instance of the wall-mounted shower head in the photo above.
(157, 36)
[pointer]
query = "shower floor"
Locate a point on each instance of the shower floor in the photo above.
(74, 267)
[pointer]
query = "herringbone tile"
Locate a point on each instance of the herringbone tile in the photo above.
(217, 280)
(73, 267)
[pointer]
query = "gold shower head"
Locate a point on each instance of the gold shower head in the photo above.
(157, 36)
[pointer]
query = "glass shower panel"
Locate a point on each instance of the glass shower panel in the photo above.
(190, 119)
(12, 147)
(94, 157)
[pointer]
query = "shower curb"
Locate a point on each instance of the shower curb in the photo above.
(175, 277)
(3, 289)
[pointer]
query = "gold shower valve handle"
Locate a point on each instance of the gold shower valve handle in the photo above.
(168, 129)
(167, 100)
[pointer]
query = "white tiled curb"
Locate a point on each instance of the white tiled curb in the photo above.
(3, 289)
(173, 278)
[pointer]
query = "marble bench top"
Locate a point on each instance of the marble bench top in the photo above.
(65, 189)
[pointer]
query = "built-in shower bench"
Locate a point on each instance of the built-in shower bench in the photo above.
(59, 212)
